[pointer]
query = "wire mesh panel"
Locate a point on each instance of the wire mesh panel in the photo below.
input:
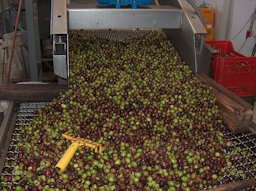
(243, 167)
(115, 35)
(25, 117)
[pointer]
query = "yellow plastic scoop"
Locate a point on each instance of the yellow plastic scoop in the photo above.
(76, 142)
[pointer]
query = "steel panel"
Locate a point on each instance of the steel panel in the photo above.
(184, 42)
(59, 17)
(60, 65)
(95, 18)
(193, 19)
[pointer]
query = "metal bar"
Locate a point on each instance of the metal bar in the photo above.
(33, 40)
(3, 67)
(59, 31)
(6, 131)
(59, 17)
(152, 18)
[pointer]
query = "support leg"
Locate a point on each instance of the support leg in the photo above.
(33, 40)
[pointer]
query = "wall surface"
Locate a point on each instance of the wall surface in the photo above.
(242, 11)
(218, 7)
(230, 17)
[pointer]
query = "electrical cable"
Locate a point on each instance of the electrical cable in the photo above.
(242, 45)
(254, 50)
(252, 23)
(251, 33)
(242, 28)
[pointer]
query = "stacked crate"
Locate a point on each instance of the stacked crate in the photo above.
(233, 70)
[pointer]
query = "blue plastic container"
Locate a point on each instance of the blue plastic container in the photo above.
(118, 3)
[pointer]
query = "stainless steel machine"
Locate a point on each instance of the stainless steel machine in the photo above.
(176, 18)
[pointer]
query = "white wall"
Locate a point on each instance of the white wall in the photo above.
(218, 7)
(240, 12)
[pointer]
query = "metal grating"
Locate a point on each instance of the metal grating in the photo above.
(244, 166)
(94, 2)
(24, 117)
(245, 144)
(116, 35)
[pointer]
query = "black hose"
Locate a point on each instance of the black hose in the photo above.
(253, 18)
(254, 50)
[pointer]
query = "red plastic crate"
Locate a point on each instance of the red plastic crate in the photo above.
(233, 70)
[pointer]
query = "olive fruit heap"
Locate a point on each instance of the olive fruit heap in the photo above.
(159, 124)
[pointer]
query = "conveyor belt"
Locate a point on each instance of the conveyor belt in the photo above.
(244, 143)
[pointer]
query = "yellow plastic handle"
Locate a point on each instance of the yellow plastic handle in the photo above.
(68, 155)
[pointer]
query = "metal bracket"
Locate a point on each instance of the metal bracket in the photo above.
(59, 31)
(60, 55)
